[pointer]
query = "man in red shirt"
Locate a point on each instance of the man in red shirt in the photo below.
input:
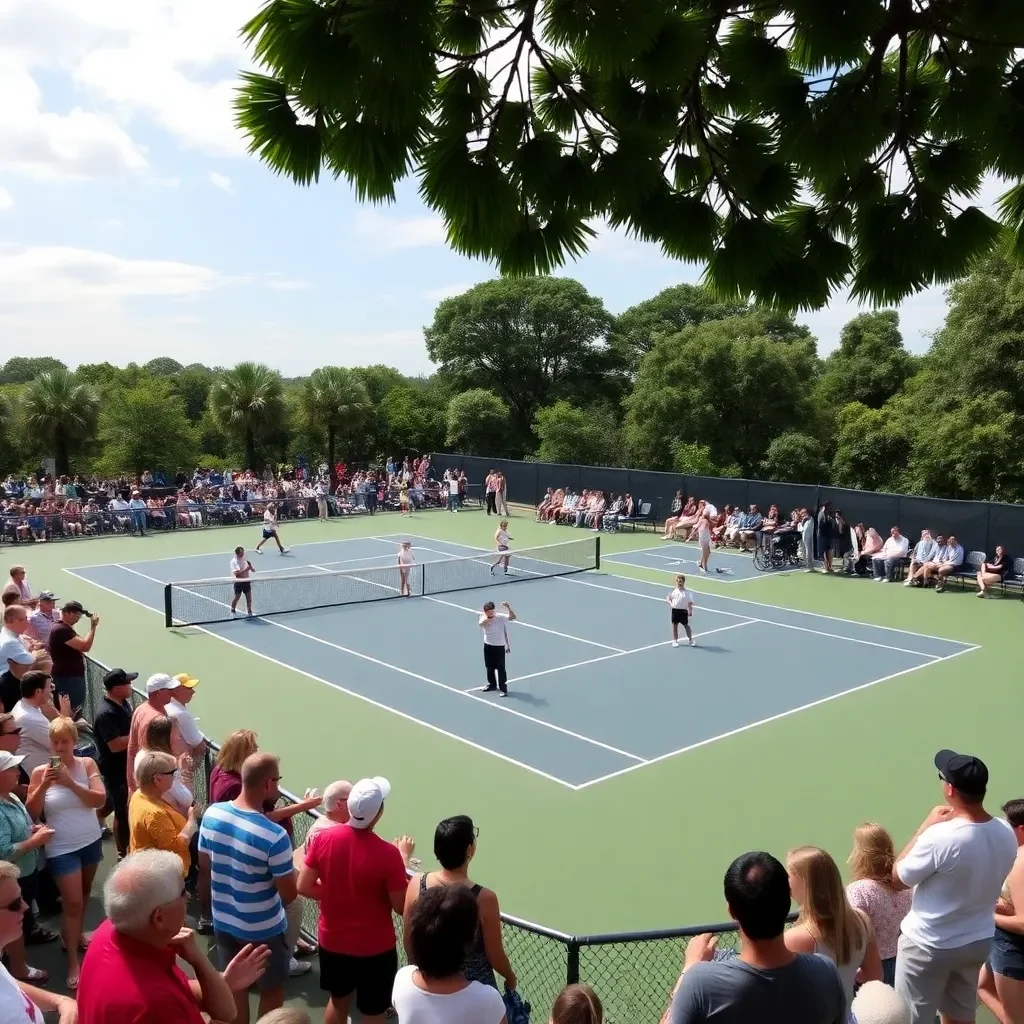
(359, 881)
(131, 975)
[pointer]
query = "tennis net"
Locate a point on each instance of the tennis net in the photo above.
(201, 602)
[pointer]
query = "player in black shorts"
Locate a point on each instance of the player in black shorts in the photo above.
(681, 603)
(241, 570)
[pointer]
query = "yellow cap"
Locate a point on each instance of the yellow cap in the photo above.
(185, 679)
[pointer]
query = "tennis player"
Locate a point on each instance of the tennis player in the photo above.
(704, 540)
(681, 603)
(270, 530)
(242, 570)
(494, 626)
(406, 560)
(501, 539)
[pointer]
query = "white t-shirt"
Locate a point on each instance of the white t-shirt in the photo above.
(475, 1004)
(681, 598)
(12, 649)
(502, 538)
(15, 1006)
(495, 630)
(240, 565)
(406, 557)
(957, 869)
(34, 745)
(269, 520)
(180, 715)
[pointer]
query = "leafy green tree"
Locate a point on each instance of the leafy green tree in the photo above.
(193, 384)
(104, 377)
(414, 420)
(22, 369)
(725, 384)
(872, 448)
(793, 145)
(379, 380)
(693, 459)
(147, 427)
(796, 458)
(667, 312)
(60, 411)
(582, 437)
(334, 402)
(247, 403)
(163, 366)
(531, 340)
(476, 423)
(870, 365)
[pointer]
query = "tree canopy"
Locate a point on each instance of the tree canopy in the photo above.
(792, 146)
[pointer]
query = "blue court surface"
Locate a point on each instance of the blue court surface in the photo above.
(597, 690)
(674, 557)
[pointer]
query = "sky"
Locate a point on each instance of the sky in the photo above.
(133, 224)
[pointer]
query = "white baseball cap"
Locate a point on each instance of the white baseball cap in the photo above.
(161, 681)
(9, 760)
(366, 800)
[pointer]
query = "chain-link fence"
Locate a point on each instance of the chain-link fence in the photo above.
(633, 973)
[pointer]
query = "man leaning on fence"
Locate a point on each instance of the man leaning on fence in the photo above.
(765, 982)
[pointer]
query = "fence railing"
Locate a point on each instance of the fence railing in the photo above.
(633, 972)
(978, 525)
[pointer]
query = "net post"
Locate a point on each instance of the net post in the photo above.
(168, 609)
(423, 579)
(597, 552)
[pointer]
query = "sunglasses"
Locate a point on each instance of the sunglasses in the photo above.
(16, 731)
(172, 772)
(13, 907)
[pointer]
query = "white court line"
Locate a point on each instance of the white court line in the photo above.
(407, 672)
(635, 650)
(772, 718)
(738, 600)
(335, 686)
(726, 576)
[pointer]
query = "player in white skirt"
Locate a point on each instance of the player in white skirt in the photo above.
(406, 560)
(501, 541)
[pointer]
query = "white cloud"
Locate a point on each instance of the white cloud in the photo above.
(53, 275)
(6, 200)
(43, 144)
(222, 181)
(439, 294)
(287, 284)
(389, 233)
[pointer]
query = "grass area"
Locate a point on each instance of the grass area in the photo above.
(587, 861)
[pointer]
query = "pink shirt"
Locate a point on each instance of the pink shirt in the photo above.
(885, 908)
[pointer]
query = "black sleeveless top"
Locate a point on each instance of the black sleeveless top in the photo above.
(476, 966)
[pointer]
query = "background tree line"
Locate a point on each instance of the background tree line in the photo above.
(537, 368)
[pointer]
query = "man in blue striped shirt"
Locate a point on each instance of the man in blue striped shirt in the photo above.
(245, 867)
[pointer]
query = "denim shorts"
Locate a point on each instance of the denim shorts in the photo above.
(69, 863)
(1007, 956)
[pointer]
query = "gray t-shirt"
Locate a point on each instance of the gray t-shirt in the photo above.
(733, 992)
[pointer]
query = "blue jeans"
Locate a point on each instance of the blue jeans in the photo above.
(139, 519)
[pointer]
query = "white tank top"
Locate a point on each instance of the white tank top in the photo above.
(74, 825)
(406, 557)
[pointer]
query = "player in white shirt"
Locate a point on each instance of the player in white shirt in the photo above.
(406, 560)
(681, 603)
(270, 530)
(501, 542)
(241, 570)
(494, 627)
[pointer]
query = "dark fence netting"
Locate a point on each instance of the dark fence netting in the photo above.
(978, 525)
(633, 973)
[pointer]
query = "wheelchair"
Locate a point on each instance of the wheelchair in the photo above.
(777, 551)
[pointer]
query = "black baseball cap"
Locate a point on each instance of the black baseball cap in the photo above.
(118, 677)
(74, 606)
(964, 772)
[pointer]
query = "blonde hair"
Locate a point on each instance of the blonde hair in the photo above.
(285, 1015)
(8, 870)
(825, 911)
(63, 729)
(158, 734)
(873, 854)
(151, 764)
(237, 747)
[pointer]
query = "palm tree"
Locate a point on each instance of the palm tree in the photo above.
(248, 402)
(61, 410)
(335, 400)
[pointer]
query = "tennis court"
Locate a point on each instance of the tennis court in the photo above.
(597, 690)
(673, 557)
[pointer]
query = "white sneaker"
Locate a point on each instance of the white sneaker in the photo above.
(297, 968)
(284, 551)
(693, 643)
(908, 583)
(675, 643)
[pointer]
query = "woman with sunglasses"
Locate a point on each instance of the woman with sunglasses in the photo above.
(154, 822)
(455, 846)
(22, 1003)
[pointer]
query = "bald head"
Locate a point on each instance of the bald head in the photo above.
(258, 770)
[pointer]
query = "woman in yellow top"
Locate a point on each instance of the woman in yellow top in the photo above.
(153, 823)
